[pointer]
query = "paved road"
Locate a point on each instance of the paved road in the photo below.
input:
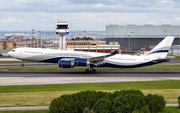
(47, 107)
(71, 76)
(173, 61)
(99, 73)
(81, 73)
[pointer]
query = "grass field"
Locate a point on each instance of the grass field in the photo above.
(171, 110)
(36, 95)
(152, 67)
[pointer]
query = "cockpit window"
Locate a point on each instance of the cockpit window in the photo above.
(13, 50)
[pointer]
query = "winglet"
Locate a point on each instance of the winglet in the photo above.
(115, 52)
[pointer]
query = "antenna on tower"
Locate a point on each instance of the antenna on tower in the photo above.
(58, 19)
(62, 18)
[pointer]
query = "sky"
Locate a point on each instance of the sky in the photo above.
(88, 15)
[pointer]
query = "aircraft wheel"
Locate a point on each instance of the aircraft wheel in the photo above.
(87, 70)
(22, 65)
(93, 71)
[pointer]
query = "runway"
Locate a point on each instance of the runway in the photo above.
(72, 76)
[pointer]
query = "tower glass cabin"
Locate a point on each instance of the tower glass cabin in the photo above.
(62, 30)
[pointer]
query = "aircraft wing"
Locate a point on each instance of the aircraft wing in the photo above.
(101, 58)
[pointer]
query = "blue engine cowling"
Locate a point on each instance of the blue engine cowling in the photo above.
(81, 62)
(66, 63)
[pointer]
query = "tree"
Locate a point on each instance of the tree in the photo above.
(155, 102)
(128, 103)
(57, 106)
(103, 106)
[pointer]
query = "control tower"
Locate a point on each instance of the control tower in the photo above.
(62, 30)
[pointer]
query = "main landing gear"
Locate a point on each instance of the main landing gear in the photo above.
(22, 65)
(90, 69)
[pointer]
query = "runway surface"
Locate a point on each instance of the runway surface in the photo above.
(72, 76)
(47, 107)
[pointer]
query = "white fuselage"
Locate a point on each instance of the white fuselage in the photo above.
(51, 55)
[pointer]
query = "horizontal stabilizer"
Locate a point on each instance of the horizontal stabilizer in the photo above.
(161, 60)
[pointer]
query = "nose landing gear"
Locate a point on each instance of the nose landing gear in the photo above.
(22, 64)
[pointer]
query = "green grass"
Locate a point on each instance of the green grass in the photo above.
(94, 86)
(152, 67)
(178, 57)
(171, 110)
(42, 95)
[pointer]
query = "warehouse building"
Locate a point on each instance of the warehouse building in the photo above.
(141, 37)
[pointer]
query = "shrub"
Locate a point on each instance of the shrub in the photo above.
(145, 109)
(179, 101)
(76, 103)
(124, 92)
(125, 101)
(103, 106)
(63, 104)
(155, 102)
(85, 99)
(128, 103)
(57, 106)
(87, 110)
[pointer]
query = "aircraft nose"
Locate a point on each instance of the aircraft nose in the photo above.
(9, 53)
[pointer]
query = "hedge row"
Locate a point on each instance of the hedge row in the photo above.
(124, 101)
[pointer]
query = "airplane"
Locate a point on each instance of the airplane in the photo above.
(69, 59)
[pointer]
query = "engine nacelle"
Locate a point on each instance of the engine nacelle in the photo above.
(81, 62)
(66, 63)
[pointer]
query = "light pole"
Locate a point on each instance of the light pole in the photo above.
(39, 38)
(129, 42)
(84, 33)
(32, 37)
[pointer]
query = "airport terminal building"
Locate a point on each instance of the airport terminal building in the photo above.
(141, 37)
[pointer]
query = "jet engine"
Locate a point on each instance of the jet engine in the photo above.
(66, 63)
